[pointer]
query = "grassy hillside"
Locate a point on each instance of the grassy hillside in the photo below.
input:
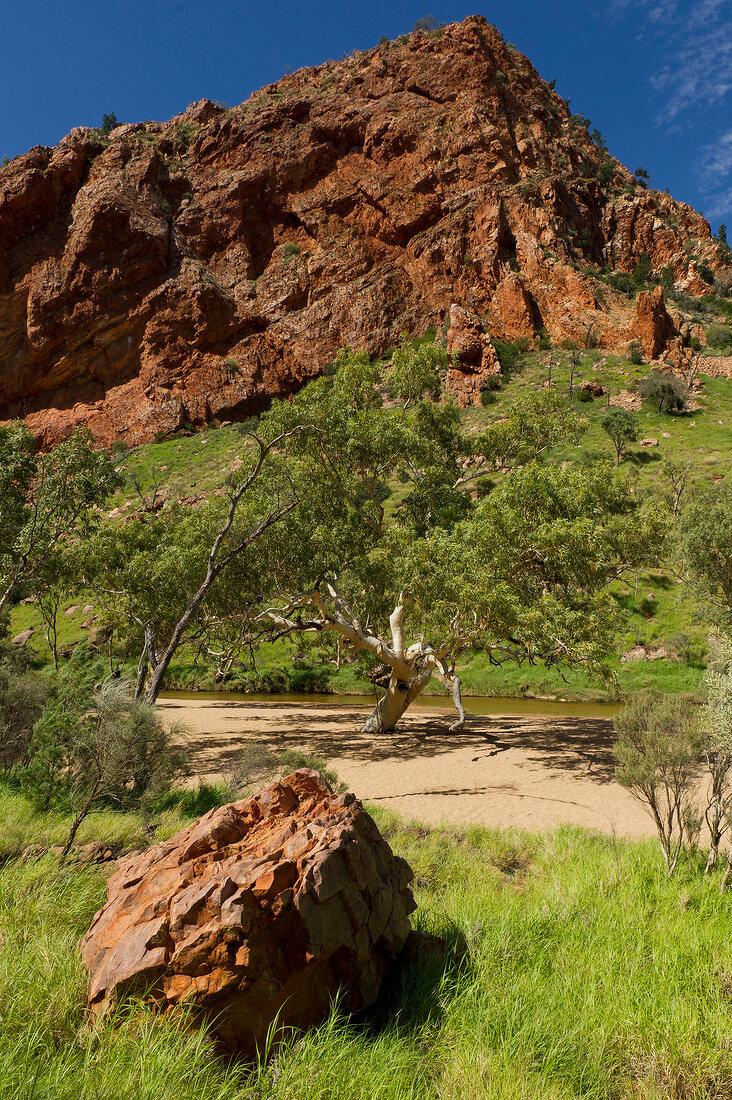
(579, 970)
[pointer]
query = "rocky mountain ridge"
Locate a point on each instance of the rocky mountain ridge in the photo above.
(184, 271)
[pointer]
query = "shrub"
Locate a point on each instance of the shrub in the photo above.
(706, 273)
(643, 270)
(487, 397)
(658, 750)
(108, 123)
(292, 249)
(664, 391)
(95, 745)
(668, 279)
(23, 695)
(719, 336)
(509, 353)
(635, 352)
(584, 395)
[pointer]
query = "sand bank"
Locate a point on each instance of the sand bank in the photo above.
(529, 771)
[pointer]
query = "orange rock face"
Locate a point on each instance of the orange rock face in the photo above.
(653, 325)
(195, 269)
(261, 910)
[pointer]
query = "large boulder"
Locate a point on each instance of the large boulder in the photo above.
(263, 909)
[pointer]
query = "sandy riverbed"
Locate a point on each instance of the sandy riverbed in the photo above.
(530, 771)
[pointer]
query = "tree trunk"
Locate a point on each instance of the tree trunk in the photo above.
(392, 705)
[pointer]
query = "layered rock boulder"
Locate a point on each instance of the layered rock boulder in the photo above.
(263, 909)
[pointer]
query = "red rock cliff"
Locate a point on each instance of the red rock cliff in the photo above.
(194, 269)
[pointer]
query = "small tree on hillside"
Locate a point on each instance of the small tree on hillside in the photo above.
(621, 426)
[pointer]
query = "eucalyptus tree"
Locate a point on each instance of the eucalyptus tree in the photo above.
(159, 577)
(417, 538)
(46, 500)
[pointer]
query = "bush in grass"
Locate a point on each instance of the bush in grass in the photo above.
(664, 391)
(719, 336)
(658, 749)
(635, 353)
(95, 745)
(23, 695)
(510, 353)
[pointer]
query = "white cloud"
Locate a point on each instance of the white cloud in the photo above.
(715, 176)
(695, 40)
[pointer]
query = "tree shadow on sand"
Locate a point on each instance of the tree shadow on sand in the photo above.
(580, 746)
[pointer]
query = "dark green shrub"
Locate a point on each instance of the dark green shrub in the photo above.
(510, 353)
(108, 123)
(664, 391)
(706, 273)
(635, 352)
(487, 397)
(719, 336)
(643, 270)
(292, 249)
(584, 396)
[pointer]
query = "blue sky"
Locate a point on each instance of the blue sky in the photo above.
(654, 75)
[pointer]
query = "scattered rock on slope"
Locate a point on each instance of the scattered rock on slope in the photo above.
(267, 906)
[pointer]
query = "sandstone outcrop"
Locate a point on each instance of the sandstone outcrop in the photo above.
(653, 324)
(262, 909)
(474, 357)
(194, 269)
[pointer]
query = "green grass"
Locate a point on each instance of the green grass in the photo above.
(585, 973)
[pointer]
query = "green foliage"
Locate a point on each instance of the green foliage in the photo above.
(706, 273)
(635, 353)
(46, 500)
(510, 353)
(414, 372)
(667, 280)
(642, 178)
(643, 270)
(719, 336)
(622, 428)
(428, 25)
(109, 122)
(658, 749)
(706, 543)
(665, 392)
(93, 744)
(292, 248)
(23, 695)
(606, 173)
